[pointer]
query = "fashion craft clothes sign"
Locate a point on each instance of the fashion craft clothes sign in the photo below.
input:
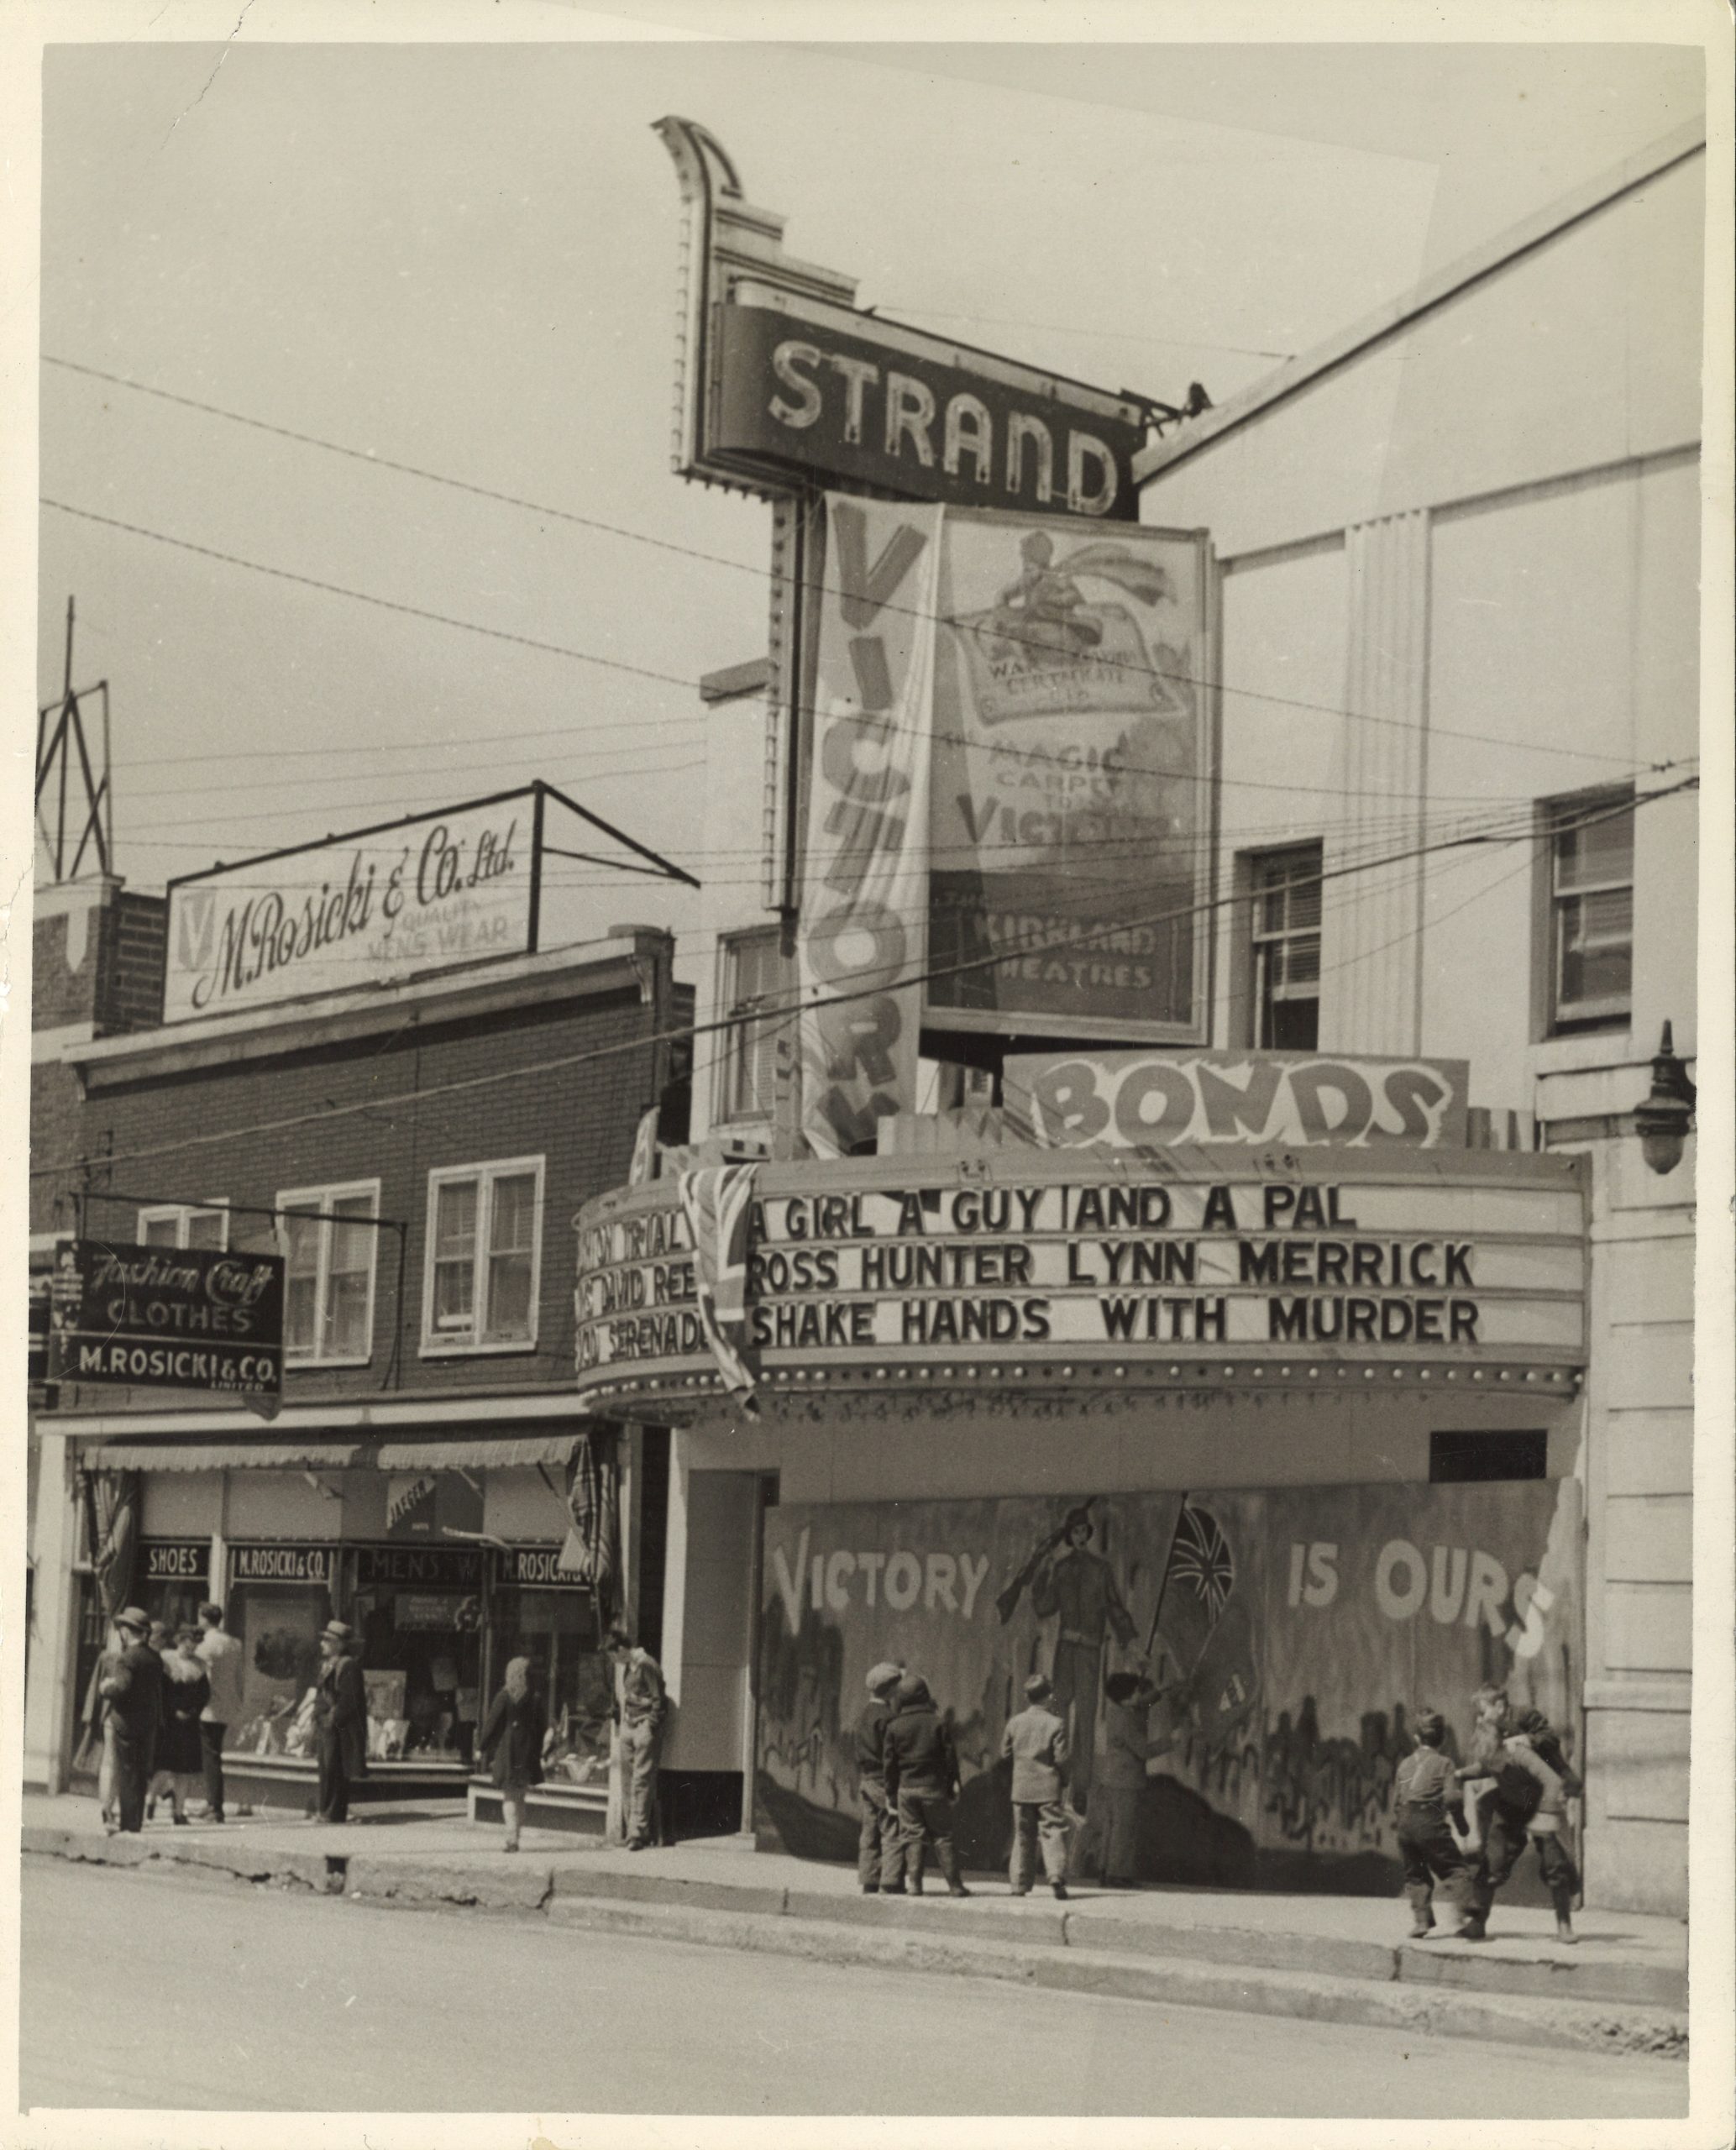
(1296, 1631)
(162, 1318)
(421, 894)
(1070, 807)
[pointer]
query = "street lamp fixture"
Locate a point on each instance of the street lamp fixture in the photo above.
(1663, 1121)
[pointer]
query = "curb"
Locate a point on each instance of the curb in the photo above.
(1087, 1953)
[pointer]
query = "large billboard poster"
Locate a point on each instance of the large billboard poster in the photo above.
(421, 894)
(1069, 808)
(1296, 1631)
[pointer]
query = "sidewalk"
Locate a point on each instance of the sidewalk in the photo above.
(1346, 1958)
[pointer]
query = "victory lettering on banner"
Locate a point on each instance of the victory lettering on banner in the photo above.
(862, 905)
(1070, 788)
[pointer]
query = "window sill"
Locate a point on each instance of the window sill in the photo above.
(1580, 1052)
(299, 1365)
(442, 1347)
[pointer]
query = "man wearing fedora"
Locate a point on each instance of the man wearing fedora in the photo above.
(133, 1688)
(340, 1721)
(1036, 1743)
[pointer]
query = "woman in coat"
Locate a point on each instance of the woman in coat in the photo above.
(340, 1721)
(180, 1762)
(512, 1745)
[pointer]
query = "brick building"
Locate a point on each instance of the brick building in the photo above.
(431, 1138)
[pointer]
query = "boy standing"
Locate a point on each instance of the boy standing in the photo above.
(879, 1858)
(1426, 1844)
(1035, 1742)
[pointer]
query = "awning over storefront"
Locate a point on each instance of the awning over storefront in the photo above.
(468, 1455)
(222, 1455)
(427, 1453)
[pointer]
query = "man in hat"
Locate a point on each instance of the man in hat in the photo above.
(1079, 1586)
(879, 1858)
(133, 1689)
(1036, 1743)
(340, 1721)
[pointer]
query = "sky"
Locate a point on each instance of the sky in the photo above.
(462, 257)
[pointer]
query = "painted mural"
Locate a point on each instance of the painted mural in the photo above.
(1280, 1641)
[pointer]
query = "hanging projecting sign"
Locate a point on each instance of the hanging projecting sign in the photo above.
(1293, 1100)
(826, 394)
(782, 382)
(425, 893)
(167, 1318)
(1399, 1255)
(1070, 810)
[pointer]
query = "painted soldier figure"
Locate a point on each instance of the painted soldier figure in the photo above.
(1079, 1586)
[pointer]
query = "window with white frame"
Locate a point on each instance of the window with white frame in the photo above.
(329, 1255)
(1284, 888)
(180, 1224)
(758, 977)
(485, 1247)
(1591, 910)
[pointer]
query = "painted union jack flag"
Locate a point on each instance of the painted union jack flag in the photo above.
(1201, 1560)
(718, 1204)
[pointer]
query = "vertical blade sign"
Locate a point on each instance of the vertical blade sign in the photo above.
(866, 887)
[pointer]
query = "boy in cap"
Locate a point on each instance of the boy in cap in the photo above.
(922, 1775)
(1036, 1743)
(879, 1858)
(1426, 1845)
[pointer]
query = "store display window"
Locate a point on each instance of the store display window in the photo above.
(417, 1613)
(534, 1613)
(170, 1583)
(280, 1597)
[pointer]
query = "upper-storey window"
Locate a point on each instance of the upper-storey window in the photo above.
(329, 1281)
(485, 1243)
(179, 1224)
(757, 977)
(1285, 948)
(1591, 910)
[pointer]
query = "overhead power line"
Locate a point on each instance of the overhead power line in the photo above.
(799, 1005)
(687, 552)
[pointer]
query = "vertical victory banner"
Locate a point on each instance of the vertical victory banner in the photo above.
(865, 888)
(1070, 814)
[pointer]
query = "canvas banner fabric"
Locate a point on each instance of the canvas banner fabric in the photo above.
(865, 871)
(1069, 808)
(1287, 1636)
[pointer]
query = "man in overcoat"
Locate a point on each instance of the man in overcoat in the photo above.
(133, 1689)
(340, 1721)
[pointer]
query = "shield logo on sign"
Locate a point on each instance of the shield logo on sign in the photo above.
(198, 913)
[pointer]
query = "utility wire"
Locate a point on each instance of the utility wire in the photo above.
(660, 544)
(799, 1006)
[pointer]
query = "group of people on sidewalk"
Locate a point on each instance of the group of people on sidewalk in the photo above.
(1513, 1790)
(161, 1706)
(907, 1766)
(514, 1739)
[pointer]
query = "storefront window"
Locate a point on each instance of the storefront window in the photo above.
(554, 1625)
(279, 1598)
(417, 1613)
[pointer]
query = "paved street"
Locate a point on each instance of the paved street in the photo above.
(154, 1989)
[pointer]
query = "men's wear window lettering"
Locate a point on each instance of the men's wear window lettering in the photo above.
(328, 1280)
(485, 1232)
(1592, 911)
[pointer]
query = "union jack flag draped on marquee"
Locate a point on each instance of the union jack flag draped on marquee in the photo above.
(717, 1201)
(592, 1491)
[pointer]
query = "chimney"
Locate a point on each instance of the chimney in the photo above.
(98, 955)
